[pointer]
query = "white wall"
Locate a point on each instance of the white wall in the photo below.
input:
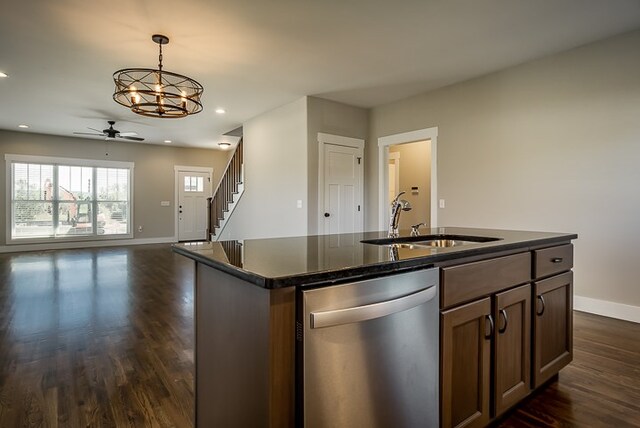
(275, 168)
(551, 145)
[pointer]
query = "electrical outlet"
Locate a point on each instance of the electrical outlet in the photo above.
(441, 203)
(299, 203)
(165, 203)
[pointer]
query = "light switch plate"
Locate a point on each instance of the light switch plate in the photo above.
(299, 203)
(441, 203)
(165, 203)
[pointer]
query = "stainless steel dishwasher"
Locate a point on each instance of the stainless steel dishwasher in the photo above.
(368, 353)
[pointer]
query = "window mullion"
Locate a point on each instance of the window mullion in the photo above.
(54, 200)
(94, 200)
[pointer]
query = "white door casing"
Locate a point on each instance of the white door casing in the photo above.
(430, 134)
(340, 184)
(394, 175)
(193, 187)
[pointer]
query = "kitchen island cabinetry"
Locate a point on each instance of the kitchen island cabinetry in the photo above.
(520, 307)
(503, 325)
(466, 364)
(502, 299)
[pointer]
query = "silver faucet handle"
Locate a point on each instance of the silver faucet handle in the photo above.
(415, 229)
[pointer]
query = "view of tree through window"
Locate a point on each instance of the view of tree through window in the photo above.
(54, 201)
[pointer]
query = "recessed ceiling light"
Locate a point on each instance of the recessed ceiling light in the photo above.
(224, 145)
(168, 141)
(23, 126)
(220, 111)
(3, 74)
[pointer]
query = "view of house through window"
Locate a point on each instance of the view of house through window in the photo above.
(63, 201)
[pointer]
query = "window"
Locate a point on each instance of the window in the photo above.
(68, 199)
(193, 184)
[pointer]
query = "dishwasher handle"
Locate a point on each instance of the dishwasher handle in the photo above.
(371, 311)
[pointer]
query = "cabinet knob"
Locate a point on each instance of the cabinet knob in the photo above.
(327, 214)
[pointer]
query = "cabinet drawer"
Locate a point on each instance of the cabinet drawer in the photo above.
(470, 281)
(550, 261)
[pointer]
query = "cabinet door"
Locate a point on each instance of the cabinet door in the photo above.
(512, 347)
(552, 326)
(466, 348)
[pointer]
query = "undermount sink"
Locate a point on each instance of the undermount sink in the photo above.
(440, 241)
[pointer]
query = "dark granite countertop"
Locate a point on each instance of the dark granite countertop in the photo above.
(324, 259)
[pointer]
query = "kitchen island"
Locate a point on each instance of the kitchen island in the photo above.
(504, 314)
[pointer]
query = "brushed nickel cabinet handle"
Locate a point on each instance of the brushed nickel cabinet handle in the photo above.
(491, 326)
(506, 321)
(541, 298)
(556, 260)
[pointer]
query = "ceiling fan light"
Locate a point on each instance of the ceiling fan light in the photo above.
(156, 92)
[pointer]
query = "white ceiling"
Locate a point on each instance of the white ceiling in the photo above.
(253, 55)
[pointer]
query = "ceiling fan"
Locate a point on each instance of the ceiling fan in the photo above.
(111, 134)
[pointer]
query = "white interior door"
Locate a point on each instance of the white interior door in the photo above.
(342, 189)
(193, 190)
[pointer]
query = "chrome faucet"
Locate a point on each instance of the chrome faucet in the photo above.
(415, 229)
(396, 206)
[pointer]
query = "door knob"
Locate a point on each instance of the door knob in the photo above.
(327, 215)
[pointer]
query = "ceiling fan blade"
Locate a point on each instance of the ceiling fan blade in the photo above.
(94, 129)
(130, 138)
(88, 133)
(128, 134)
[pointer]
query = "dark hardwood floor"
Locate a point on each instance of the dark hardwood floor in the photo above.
(99, 337)
(103, 337)
(600, 388)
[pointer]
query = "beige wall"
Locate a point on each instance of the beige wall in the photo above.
(335, 118)
(550, 145)
(153, 173)
(281, 166)
(275, 168)
(415, 170)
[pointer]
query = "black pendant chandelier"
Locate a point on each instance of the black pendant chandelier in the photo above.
(157, 93)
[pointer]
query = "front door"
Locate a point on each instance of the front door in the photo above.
(193, 190)
(342, 189)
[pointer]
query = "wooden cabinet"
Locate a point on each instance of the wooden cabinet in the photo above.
(512, 347)
(506, 328)
(466, 364)
(469, 332)
(552, 326)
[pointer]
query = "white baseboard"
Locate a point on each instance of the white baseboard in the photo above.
(606, 308)
(86, 244)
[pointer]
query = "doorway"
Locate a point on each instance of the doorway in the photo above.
(411, 156)
(410, 172)
(193, 187)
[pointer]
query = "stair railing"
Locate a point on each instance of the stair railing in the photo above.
(227, 188)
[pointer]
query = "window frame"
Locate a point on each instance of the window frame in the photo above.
(59, 161)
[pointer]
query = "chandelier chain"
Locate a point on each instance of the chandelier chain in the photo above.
(160, 58)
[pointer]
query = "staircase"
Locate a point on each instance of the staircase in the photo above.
(227, 194)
